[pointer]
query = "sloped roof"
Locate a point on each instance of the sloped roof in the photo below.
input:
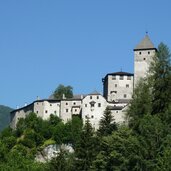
(115, 107)
(94, 93)
(145, 44)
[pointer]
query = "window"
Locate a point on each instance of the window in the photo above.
(66, 110)
(86, 116)
(148, 52)
(55, 112)
(125, 95)
(113, 77)
(90, 97)
(139, 53)
(74, 103)
(128, 77)
(92, 116)
(116, 85)
(75, 110)
(112, 92)
(92, 104)
(99, 104)
(37, 112)
(46, 111)
(97, 97)
(66, 103)
(116, 111)
(127, 85)
(50, 104)
(85, 105)
(121, 77)
(144, 59)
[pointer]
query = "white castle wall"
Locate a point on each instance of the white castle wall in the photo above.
(93, 112)
(119, 87)
(142, 61)
(68, 108)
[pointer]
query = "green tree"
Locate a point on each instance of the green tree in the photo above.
(107, 124)
(140, 104)
(59, 133)
(85, 150)
(119, 151)
(161, 80)
(73, 129)
(62, 162)
(63, 90)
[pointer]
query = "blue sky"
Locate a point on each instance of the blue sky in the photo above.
(73, 42)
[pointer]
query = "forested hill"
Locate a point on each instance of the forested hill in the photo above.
(4, 116)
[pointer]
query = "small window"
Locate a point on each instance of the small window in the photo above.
(75, 110)
(55, 112)
(99, 104)
(66, 103)
(116, 111)
(74, 103)
(112, 92)
(86, 116)
(113, 77)
(37, 112)
(125, 95)
(97, 97)
(66, 110)
(139, 53)
(46, 111)
(116, 85)
(37, 103)
(127, 85)
(50, 104)
(90, 97)
(128, 77)
(121, 77)
(92, 104)
(85, 105)
(144, 59)
(148, 52)
(92, 116)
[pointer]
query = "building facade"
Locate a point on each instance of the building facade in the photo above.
(118, 86)
(117, 92)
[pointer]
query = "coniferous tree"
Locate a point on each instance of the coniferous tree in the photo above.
(107, 124)
(62, 162)
(161, 80)
(85, 150)
(140, 104)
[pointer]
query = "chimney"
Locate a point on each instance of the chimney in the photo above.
(63, 96)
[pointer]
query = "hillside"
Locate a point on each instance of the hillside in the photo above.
(4, 116)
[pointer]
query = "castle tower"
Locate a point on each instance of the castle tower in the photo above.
(143, 56)
(118, 86)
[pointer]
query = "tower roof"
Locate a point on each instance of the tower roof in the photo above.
(145, 44)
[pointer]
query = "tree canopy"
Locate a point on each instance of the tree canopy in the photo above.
(61, 90)
(142, 145)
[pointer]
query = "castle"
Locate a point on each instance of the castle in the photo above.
(117, 92)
